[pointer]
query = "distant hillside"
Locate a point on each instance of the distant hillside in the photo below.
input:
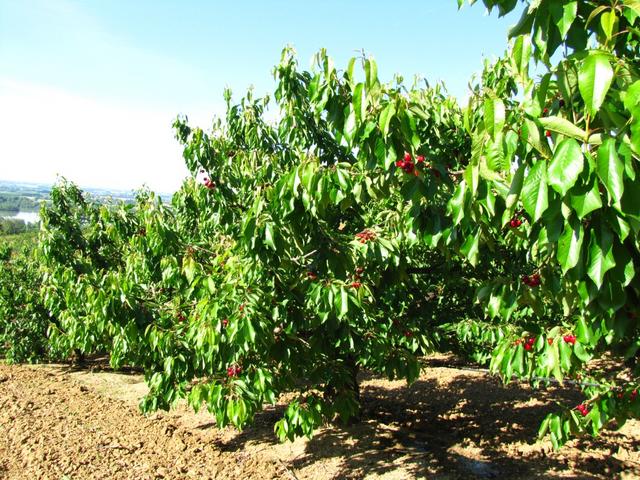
(24, 197)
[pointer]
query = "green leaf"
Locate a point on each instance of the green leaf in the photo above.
(594, 80)
(563, 13)
(633, 5)
(344, 302)
(544, 427)
(268, 236)
(608, 22)
(535, 191)
(611, 170)
(385, 118)
(581, 353)
(250, 331)
(585, 199)
(470, 248)
(565, 356)
(350, 124)
(632, 96)
(594, 13)
(566, 166)
(371, 72)
(562, 126)
(601, 258)
(189, 268)
(521, 55)
(531, 133)
(494, 114)
(516, 186)
(570, 245)
(583, 332)
(456, 204)
(524, 24)
(360, 102)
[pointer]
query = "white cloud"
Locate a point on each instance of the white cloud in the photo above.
(46, 131)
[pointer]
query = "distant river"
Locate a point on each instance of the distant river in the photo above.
(28, 217)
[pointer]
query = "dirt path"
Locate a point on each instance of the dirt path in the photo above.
(451, 424)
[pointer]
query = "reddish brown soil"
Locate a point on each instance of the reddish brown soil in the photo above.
(56, 423)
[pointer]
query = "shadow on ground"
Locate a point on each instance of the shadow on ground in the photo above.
(452, 424)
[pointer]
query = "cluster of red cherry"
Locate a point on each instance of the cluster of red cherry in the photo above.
(515, 222)
(406, 163)
(632, 396)
(528, 343)
(365, 236)
(532, 280)
(234, 371)
(583, 409)
(358, 276)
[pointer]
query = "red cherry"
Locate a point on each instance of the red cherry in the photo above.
(408, 334)
(550, 341)
(356, 285)
(528, 346)
(407, 157)
(547, 133)
(545, 111)
(570, 339)
(583, 409)
(225, 323)
(420, 159)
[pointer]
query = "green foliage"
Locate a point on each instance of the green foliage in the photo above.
(577, 127)
(23, 318)
(300, 261)
(373, 222)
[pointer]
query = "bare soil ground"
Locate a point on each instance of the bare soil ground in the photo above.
(60, 423)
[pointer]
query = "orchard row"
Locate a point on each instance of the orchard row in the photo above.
(372, 223)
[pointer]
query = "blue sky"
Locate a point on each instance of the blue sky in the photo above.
(88, 89)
